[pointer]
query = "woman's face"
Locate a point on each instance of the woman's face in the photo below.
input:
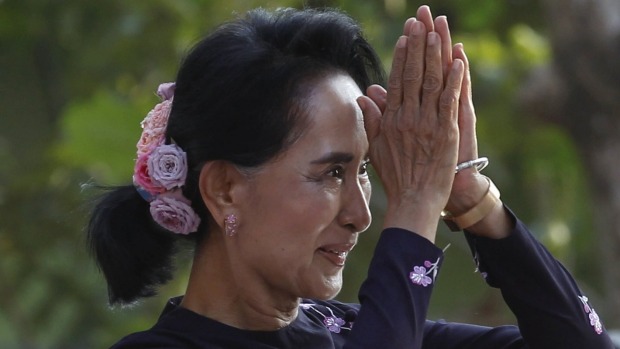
(306, 208)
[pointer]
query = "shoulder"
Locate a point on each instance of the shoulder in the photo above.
(157, 338)
(175, 328)
(147, 339)
(162, 336)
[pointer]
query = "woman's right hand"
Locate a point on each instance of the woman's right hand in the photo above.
(413, 142)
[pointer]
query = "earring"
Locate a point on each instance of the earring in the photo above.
(230, 225)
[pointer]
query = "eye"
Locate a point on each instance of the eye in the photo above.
(337, 172)
(364, 168)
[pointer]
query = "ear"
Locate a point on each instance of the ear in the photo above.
(222, 187)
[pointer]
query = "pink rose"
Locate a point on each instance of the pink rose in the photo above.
(167, 166)
(142, 179)
(148, 141)
(174, 213)
(154, 127)
(157, 118)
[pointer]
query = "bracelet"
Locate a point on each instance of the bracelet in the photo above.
(479, 164)
(476, 213)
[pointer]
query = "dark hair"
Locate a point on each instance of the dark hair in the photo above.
(239, 97)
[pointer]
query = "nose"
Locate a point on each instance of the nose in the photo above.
(355, 212)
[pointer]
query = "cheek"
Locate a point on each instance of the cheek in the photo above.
(296, 212)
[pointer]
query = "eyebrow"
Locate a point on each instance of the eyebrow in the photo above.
(334, 157)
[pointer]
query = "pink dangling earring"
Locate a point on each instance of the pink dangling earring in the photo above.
(230, 225)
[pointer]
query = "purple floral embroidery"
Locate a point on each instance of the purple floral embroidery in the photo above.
(484, 274)
(333, 323)
(595, 321)
(419, 275)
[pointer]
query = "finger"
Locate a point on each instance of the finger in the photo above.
(395, 85)
(449, 100)
(468, 147)
(378, 95)
(459, 52)
(433, 76)
(407, 27)
(372, 117)
(425, 16)
(413, 74)
(443, 29)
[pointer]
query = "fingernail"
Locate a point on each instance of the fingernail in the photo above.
(408, 25)
(418, 27)
(361, 103)
(457, 64)
(432, 38)
(402, 42)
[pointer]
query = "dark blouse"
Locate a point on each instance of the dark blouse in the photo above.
(551, 310)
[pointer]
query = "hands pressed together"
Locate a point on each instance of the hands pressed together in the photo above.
(422, 127)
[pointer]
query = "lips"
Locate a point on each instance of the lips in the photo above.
(336, 253)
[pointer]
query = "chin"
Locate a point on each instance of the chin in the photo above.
(328, 290)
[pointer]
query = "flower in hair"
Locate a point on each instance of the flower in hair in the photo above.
(154, 127)
(174, 213)
(142, 178)
(167, 166)
(161, 170)
(165, 91)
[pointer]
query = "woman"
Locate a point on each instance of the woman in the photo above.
(259, 153)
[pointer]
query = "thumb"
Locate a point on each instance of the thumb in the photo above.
(379, 95)
(372, 116)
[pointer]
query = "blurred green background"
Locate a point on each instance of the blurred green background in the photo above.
(77, 77)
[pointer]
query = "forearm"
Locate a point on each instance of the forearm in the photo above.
(498, 224)
(395, 297)
(540, 291)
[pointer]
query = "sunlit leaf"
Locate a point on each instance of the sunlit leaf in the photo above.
(100, 135)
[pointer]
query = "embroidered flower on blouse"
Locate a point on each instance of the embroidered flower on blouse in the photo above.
(419, 275)
(595, 321)
(484, 274)
(331, 321)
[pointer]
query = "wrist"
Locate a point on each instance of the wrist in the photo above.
(417, 218)
(467, 193)
(476, 212)
(498, 224)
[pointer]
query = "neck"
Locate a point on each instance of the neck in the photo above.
(219, 291)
